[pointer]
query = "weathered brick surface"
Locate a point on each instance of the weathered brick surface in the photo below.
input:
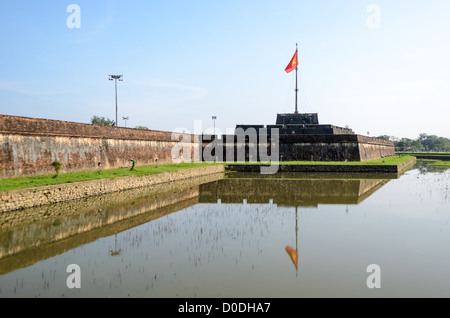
(48, 127)
(28, 146)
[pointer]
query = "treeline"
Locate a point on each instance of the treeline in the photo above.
(423, 143)
(102, 121)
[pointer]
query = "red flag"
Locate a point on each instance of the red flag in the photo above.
(293, 63)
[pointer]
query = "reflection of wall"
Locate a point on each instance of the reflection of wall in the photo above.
(38, 233)
(289, 192)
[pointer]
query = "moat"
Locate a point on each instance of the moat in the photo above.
(230, 237)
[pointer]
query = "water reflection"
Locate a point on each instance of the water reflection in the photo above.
(243, 236)
(289, 190)
(292, 190)
(38, 233)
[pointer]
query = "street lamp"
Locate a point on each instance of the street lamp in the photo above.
(125, 119)
(214, 121)
(115, 78)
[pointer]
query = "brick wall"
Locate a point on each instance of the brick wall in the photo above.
(28, 146)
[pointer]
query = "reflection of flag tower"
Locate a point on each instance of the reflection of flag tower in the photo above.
(293, 254)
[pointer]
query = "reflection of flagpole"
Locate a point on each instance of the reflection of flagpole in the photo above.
(293, 254)
(296, 237)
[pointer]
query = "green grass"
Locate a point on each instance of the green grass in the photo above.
(427, 153)
(440, 163)
(395, 160)
(45, 180)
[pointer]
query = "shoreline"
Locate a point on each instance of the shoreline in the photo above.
(332, 168)
(19, 199)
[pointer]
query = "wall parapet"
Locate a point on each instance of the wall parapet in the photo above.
(48, 127)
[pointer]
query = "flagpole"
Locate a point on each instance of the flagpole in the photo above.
(296, 89)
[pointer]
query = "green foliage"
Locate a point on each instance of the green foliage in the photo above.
(423, 143)
(102, 121)
(133, 164)
(385, 137)
(57, 166)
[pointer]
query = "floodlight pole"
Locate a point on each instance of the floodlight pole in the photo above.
(214, 121)
(115, 78)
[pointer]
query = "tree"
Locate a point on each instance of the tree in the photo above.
(434, 143)
(425, 140)
(404, 144)
(141, 127)
(102, 121)
(384, 137)
(416, 145)
(441, 144)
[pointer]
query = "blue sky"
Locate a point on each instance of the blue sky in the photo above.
(379, 71)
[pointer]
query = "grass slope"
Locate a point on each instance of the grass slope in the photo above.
(395, 160)
(45, 180)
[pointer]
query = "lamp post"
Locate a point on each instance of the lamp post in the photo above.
(214, 121)
(115, 78)
(125, 119)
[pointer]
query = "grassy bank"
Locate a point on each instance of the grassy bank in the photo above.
(443, 155)
(435, 159)
(423, 153)
(45, 180)
(440, 163)
(395, 160)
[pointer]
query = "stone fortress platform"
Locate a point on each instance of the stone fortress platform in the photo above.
(301, 137)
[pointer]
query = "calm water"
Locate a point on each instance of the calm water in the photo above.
(229, 238)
